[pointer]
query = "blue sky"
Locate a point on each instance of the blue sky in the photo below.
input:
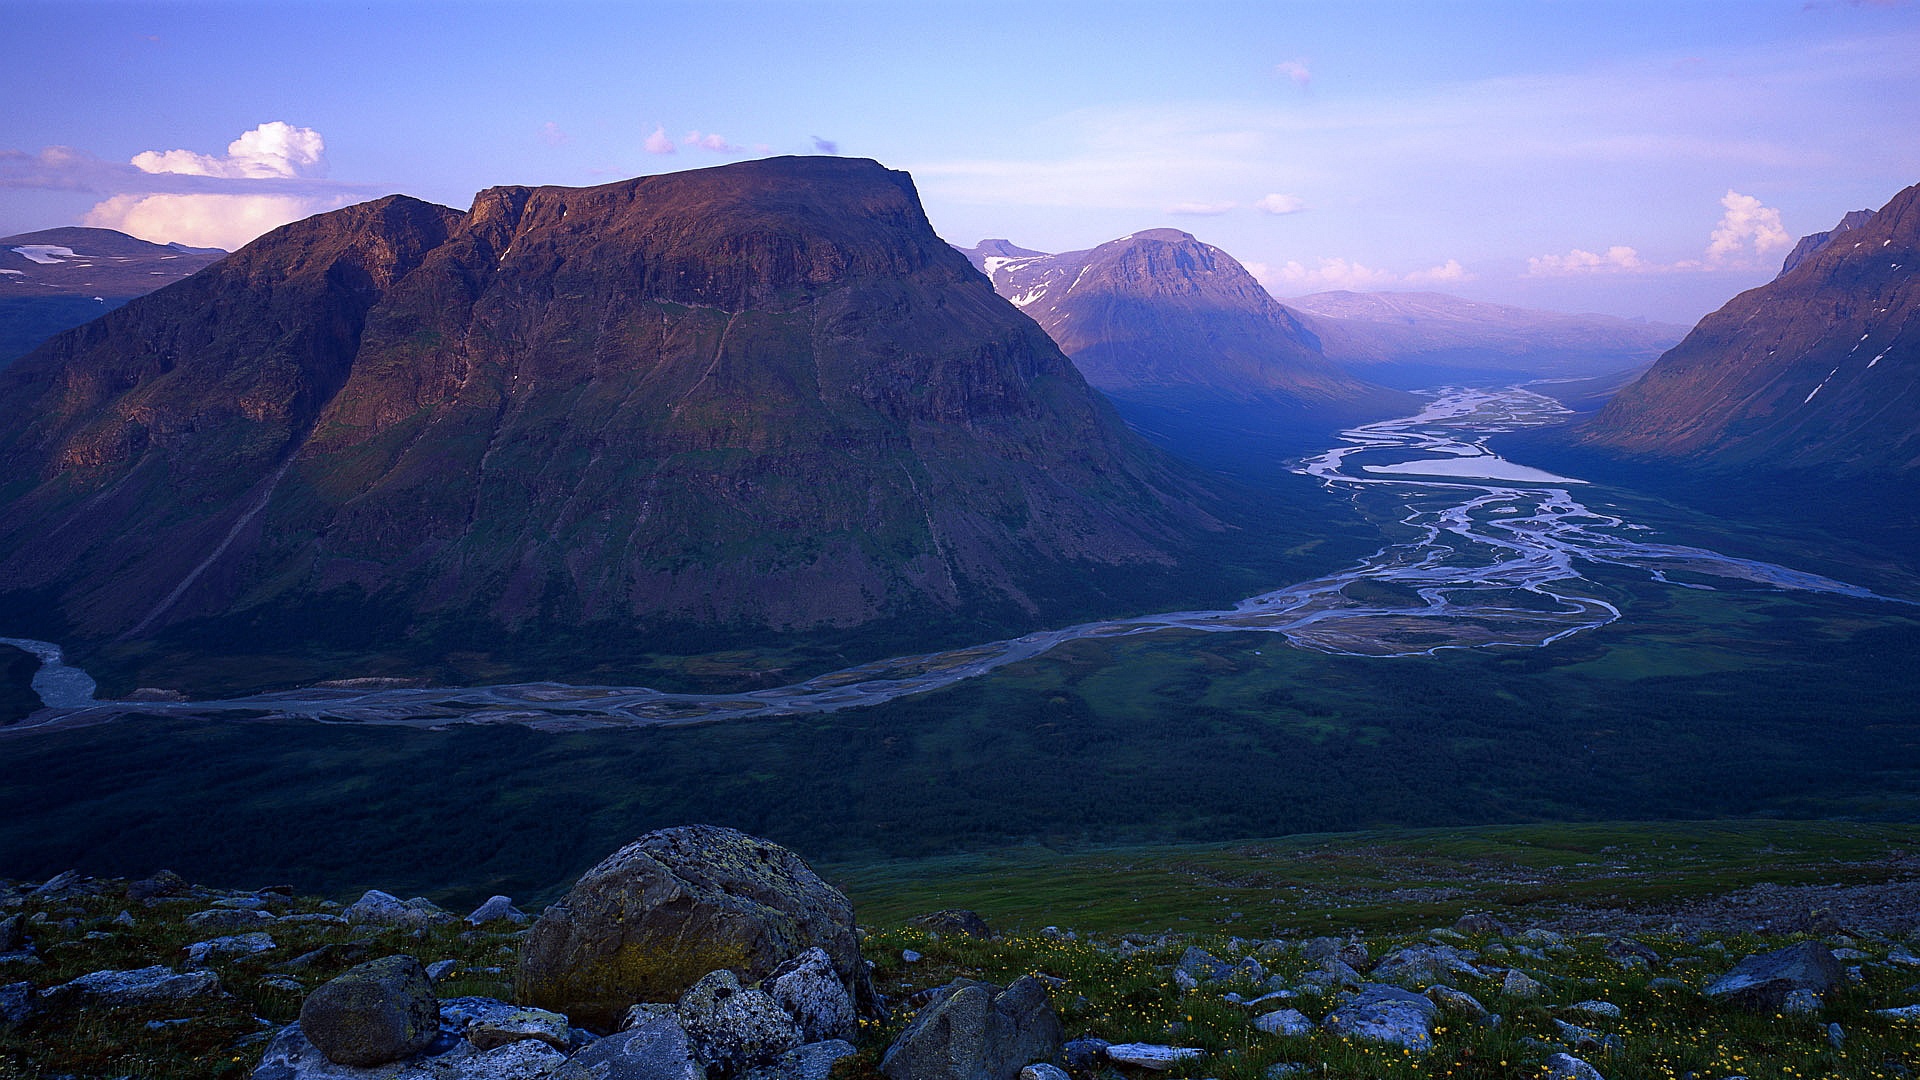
(1638, 159)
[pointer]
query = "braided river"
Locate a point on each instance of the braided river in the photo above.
(1493, 555)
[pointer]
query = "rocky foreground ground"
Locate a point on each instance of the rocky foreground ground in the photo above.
(706, 954)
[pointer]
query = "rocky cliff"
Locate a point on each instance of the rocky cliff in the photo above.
(764, 395)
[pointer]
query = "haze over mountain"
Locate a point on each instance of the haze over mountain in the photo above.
(57, 278)
(1419, 339)
(1818, 370)
(1160, 317)
(763, 395)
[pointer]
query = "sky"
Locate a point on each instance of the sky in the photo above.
(1638, 159)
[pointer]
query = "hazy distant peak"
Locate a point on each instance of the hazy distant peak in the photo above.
(1813, 242)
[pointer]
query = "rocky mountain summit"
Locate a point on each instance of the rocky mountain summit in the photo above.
(760, 396)
(1813, 242)
(1815, 371)
(265, 984)
(54, 279)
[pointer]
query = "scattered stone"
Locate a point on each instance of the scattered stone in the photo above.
(814, 1061)
(1595, 1008)
(549, 1027)
(498, 909)
(1477, 923)
(1043, 1071)
(1386, 1014)
(1904, 1012)
(657, 1048)
(1284, 1022)
(380, 1011)
(1667, 984)
(1626, 948)
(1568, 1067)
(953, 921)
(125, 918)
(13, 933)
(440, 969)
(139, 986)
(811, 992)
(1761, 982)
(237, 945)
(1902, 956)
(1457, 1003)
(283, 983)
(243, 903)
(908, 956)
(1521, 985)
(160, 886)
(16, 1002)
(733, 1028)
(229, 919)
(1348, 951)
(1424, 964)
(1836, 1036)
(1801, 1003)
(1454, 937)
(317, 918)
(1199, 966)
(1084, 1053)
(974, 1031)
(57, 886)
(292, 1056)
(1152, 1055)
(375, 908)
(654, 917)
(1332, 973)
(646, 1011)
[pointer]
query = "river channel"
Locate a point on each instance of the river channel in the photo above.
(1491, 554)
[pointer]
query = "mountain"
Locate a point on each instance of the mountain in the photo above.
(757, 397)
(1813, 242)
(1817, 370)
(1159, 314)
(59, 278)
(1419, 339)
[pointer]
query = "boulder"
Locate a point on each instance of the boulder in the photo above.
(975, 1031)
(659, 914)
(1152, 1055)
(13, 933)
(375, 908)
(1761, 982)
(380, 1011)
(1040, 1070)
(292, 1056)
(1481, 923)
(1568, 1067)
(1385, 1014)
(1519, 984)
(814, 1061)
(16, 1002)
(226, 918)
(1198, 966)
(237, 945)
(1425, 965)
(656, 1048)
(1603, 1009)
(953, 921)
(1348, 951)
(810, 991)
(1084, 1053)
(733, 1028)
(160, 886)
(517, 1024)
(1284, 1022)
(1457, 1003)
(497, 909)
(139, 986)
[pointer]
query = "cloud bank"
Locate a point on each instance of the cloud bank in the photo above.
(274, 150)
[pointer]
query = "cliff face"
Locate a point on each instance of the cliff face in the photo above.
(759, 395)
(1817, 370)
(1159, 313)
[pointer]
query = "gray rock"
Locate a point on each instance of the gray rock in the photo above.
(953, 921)
(380, 1011)
(1348, 951)
(1385, 1014)
(656, 1048)
(1904, 1012)
(315, 918)
(1199, 966)
(230, 919)
(375, 908)
(292, 1056)
(161, 886)
(440, 969)
(1083, 1054)
(814, 1061)
(13, 933)
(654, 917)
(1902, 956)
(16, 1002)
(1568, 1067)
(909, 956)
(1761, 982)
(57, 886)
(549, 1027)
(1040, 1070)
(237, 945)
(1595, 1008)
(125, 918)
(1424, 964)
(1284, 1022)
(1332, 973)
(1521, 985)
(1801, 1003)
(1152, 1055)
(1478, 923)
(648, 1011)
(975, 1031)
(1836, 1036)
(733, 1028)
(139, 986)
(811, 992)
(1457, 1003)
(498, 909)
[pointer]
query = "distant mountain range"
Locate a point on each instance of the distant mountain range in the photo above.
(1818, 370)
(1418, 339)
(761, 396)
(58, 278)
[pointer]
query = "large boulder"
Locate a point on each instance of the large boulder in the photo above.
(1385, 1014)
(380, 1011)
(975, 1031)
(138, 986)
(656, 1048)
(811, 992)
(734, 1028)
(292, 1056)
(656, 916)
(1761, 982)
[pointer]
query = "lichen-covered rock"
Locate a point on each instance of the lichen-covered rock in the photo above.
(656, 1048)
(811, 992)
(236, 945)
(292, 1056)
(975, 1031)
(139, 986)
(1424, 965)
(1761, 982)
(1458, 1003)
(1568, 1067)
(814, 1061)
(656, 916)
(1521, 985)
(16, 1002)
(230, 918)
(1152, 1055)
(1385, 1014)
(376, 908)
(1284, 1022)
(517, 1024)
(734, 1028)
(160, 886)
(13, 932)
(1040, 1070)
(953, 921)
(497, 909)
(380, 1011)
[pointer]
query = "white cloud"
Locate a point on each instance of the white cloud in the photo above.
(1331, 274)
(551, 134)
(1447, 273)
(1281, 204)
(1747, 226)
(709, 141)
(273, 151)
(659, 142)
(1295, 70)
(1618, 259)
(1201, 209)
(223, 221)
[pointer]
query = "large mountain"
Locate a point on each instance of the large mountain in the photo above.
(1160, 316)
(764, 395)
(59, 278)
(1813, 242)
(1418, 339)
(1818, 370)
